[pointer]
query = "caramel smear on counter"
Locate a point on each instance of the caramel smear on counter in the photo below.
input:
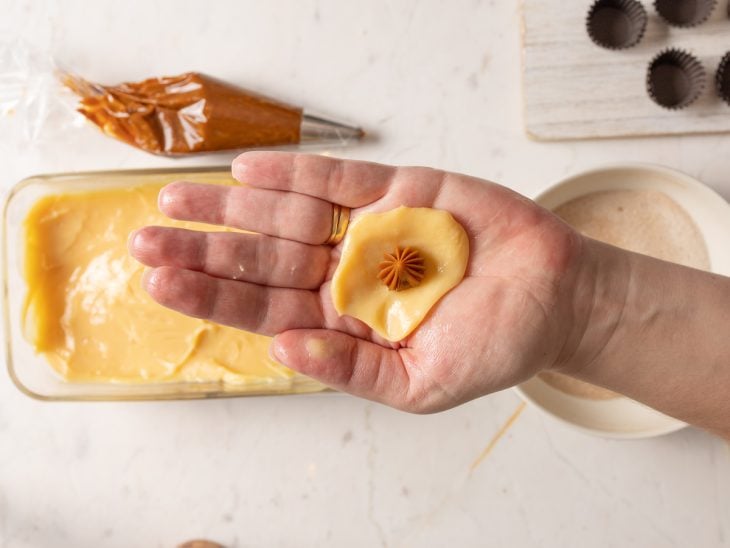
(88, 315)
(384, 294)
(201, 544)
(186, 114)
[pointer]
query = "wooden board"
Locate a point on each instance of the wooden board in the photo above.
(573, 89)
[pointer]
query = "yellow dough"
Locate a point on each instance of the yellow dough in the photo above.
(358, 292)
(87, 314)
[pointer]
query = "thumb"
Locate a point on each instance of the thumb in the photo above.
(346, 363)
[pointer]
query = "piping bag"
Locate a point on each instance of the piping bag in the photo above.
(194, 112)
(176, 116)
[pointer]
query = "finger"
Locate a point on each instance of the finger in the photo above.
(352, 365)
(282, 214)
(249, 257)
(265, 310)
(345, 182)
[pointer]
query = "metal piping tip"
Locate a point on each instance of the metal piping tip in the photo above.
(315, 128)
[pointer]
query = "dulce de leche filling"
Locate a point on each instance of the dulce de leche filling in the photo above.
(187, 113)
(88, 315)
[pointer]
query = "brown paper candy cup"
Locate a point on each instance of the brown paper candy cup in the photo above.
(684, 13)
(722, 78)
(616, 24)
(675, 79)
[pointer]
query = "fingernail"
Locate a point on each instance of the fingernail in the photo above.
(169, 194)
(276, 352)
(238, 169)
(163, 199)
(130, 239)
(146, 275)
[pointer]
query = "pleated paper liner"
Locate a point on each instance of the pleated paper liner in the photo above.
(722, 78)
(616, 24)
(675, 79)
(684, 13)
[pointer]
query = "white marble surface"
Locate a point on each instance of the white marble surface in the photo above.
(439, 83)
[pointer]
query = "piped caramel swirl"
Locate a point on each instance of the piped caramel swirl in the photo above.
(402, 269)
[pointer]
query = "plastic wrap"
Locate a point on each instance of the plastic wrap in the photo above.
(34, 106)
(175, 115)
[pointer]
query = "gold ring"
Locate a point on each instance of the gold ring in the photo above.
(340, 220)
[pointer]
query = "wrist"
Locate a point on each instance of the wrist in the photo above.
(597, 308)
(653, 331)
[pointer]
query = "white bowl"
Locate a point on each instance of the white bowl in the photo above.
(622, 417)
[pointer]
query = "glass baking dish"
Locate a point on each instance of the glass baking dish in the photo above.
(31, 372)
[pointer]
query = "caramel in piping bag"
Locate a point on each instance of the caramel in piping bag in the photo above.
(194, 112)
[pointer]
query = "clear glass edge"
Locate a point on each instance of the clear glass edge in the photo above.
(305, 385)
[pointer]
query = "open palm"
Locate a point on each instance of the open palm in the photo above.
(511, 315)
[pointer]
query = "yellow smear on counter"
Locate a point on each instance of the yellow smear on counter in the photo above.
(86, 312)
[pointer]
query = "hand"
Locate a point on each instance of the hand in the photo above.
(512, 315)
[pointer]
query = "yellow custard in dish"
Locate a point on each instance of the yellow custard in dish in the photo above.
(86, 312)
